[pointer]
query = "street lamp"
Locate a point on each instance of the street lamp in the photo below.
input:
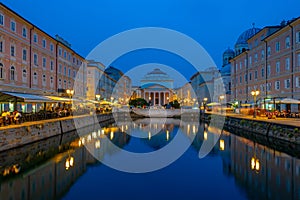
(254, 93)
(222, 97)
(204, 103)
(98, 97)
(70, 93)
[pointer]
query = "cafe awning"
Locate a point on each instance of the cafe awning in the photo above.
(58, 99)
(22, 97)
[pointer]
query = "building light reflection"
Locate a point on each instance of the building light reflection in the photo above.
(188, 129)
(205, 135)
(97, 144)
(222, 145)
(149, 135)
(69, 162)
(111, 135)
(167, 135)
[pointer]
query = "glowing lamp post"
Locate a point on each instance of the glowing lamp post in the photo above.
(222, 97)
(254, 93)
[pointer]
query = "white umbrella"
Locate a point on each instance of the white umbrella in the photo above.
(289, 101)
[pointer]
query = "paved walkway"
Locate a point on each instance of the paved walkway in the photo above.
(278, 120)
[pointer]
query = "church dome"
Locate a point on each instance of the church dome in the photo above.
(241, 44)
(228, 52)
(246, 35)
(156, 74)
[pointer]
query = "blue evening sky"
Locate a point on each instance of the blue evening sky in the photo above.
(216, 25)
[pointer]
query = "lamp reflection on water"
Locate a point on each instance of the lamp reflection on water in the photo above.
(111, 135)
(205, 135)
(167, 135)
(69, 162)
(255, 163)
(149, 135)
(188, 129)
(222, 145)
(97, 144)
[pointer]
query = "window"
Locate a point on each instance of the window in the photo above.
(277, 46)
(269, 51)
(1, 19)
(278, 67)
(287, 42)
(269, 85)
(74, 74)
(12, 73)
(24, 75)
(44, 62)
(65, 70)
(250, 76)
(298, 59)
(69, 56)
(24, 32)
(240, 79)
(12, 50)
(287, 64)
(44, 80)
(51, 47)
(24, 56)
(277, 85)
(1, 46)
(262, 54)
(59, 51)
(65, 84)
(59, 83)
(35, 59)
(268, 70)
(59, 68)
(35, 78)
(13, 26)
(255, 57)
(51, 65)
(297, 81)
(287, 83)
(255, 74)
(44, 43)
(51, 82)
(298, 37)
(250, 60)
(65, 54)
(69, 72)
(246, 77)
(241, 65)
(1, 71)
(35, 38)
(69, 84)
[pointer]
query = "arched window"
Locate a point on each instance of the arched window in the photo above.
(24, 75)
(59, 83)
(35, 78)
(51, 82)
(1, 71)
(12, 73)
(44, 80)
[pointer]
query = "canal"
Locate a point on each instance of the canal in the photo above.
(163, 163)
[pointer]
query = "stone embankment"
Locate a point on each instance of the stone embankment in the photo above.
(17, 135)
(289, 132)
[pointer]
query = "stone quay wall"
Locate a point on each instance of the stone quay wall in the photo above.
(270, 130)
(18, 135)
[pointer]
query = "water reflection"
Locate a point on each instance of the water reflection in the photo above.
(47, 169)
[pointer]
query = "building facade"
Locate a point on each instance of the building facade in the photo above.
(31, 61)
(156, 88)
(270, 64)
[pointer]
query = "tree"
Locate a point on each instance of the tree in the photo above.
(138, 102)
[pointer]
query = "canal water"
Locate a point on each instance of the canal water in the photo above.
(68, 167)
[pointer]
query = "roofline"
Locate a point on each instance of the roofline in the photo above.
(34, 26)
(277, 26)
(282, 27)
